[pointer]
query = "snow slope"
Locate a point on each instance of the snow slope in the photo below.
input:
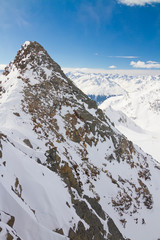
(141, 104)
(66, 171)
(139, 101)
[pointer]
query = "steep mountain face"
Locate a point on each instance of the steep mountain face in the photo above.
(66, 172)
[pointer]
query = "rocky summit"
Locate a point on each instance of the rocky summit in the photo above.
(65, 171)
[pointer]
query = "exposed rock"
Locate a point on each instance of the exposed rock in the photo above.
(11, 221)
(28, 143)
(114, 232)
(96, 229)
(60, 231)
(96, 206)
(17, 114)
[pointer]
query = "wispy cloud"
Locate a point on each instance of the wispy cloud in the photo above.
(138, 2)
(148, 64)
(112, 66)
(2, 67)
(96, 11)
(11, 14)
(21, 21)
(88, 11)
(129, 57)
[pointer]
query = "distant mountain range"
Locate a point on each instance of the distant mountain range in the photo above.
(65, 171)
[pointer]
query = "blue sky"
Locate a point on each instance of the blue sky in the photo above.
(84, 33)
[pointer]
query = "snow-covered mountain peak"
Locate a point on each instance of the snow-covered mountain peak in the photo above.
(64, 168)
(33, 63)
(26, 43)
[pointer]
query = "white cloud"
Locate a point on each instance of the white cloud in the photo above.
(2, 66)
(148, 64)
(138, 2)
(112, 66)
(129, 57)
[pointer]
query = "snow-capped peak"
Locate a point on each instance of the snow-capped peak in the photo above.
(64, 168)
(34, 64)
(26, 43)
